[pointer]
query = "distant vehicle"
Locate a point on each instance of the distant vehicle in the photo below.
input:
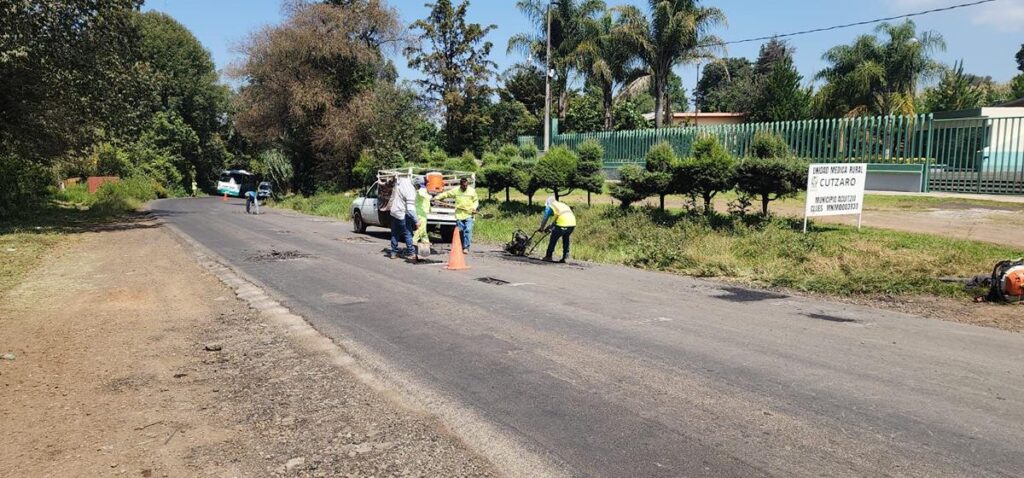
(264, 191)
(236, 182)
(371, 208)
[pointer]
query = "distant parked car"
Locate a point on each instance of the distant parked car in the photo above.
(264, 190)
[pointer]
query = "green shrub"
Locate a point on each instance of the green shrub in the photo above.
(434, 158)
(113, 161)
(274, 167)
(767, 144)
(588, 170)
(75, 194)
(365, 169)
(508, 153)
(125, 195)
(499, 177)
(22, 185)
(529, 151)
(466, 162)
(661, 163)
(632, 186)
(771, 178)
(556, 170)
(711, 171)
(526, 182)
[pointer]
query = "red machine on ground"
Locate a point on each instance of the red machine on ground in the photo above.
(1007, 283)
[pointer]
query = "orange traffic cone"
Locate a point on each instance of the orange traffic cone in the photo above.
(456, 260)
(225, 198)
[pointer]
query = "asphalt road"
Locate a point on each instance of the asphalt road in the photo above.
(611, 371)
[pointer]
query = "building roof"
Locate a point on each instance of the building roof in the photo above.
(1016, 102)
(692, 114)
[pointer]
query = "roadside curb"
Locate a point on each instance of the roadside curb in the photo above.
(498, 445)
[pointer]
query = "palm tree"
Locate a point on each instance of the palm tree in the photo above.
(567, 25)
(677, 33)
(872, 77)
(604, 58)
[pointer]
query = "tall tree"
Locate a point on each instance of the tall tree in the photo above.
(725, 85)
(1020, 58)
(310, 86)
(567, 31)
(70, 75)
(186, 82)
(677, 32)
(68, 70)
(778, 94)
(955, 91)
(878, 76)
(771, 52)
(454, 56)
(605, 59)
(524, 82)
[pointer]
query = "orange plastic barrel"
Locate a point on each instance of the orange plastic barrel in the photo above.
(435, 182)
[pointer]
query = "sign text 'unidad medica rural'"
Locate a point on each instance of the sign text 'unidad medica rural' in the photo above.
(835, 189)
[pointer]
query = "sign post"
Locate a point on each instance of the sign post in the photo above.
(835, 190)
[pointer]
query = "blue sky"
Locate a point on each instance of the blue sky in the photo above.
(986, 37)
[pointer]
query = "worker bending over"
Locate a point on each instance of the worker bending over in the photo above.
(466, 204)
(421, 238)
(403, 217)
(252, 200)
(564, 223)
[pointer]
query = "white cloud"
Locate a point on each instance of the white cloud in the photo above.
(1003, 15)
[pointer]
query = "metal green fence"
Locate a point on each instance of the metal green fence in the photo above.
(977, 155)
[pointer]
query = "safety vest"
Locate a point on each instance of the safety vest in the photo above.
(563, 214)
(422, 203)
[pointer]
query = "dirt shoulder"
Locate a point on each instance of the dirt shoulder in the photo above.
(111, 375)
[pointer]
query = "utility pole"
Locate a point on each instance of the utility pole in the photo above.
(547, 88)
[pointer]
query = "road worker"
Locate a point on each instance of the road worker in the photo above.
(421, 238)
(403, 217)
(251, 199)
(466, 204)
(562, 227)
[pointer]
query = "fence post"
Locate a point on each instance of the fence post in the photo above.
(930, 123)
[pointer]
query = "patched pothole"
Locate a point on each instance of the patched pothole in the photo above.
(738, 294)
(493, 281)
(275, 255)
(830, 318)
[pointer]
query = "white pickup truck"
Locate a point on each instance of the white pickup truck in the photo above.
(370, 209)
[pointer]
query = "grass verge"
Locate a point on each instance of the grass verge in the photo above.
(29, 235)
(832, 259)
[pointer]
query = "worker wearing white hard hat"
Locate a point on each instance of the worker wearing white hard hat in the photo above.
(562, 227)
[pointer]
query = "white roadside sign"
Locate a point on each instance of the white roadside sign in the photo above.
(835, 190)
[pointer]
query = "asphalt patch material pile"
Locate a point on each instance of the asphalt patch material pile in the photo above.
(274, 255)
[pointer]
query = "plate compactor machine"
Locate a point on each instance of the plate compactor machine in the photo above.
(523, 244)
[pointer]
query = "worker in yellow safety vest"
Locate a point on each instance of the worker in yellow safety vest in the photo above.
(564, 223)
(421, 238)
(466, 204)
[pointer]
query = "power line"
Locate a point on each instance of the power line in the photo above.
(866, 22)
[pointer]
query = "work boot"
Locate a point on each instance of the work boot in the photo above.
(548, 259)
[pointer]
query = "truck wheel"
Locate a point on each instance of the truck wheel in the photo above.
(357, 223)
